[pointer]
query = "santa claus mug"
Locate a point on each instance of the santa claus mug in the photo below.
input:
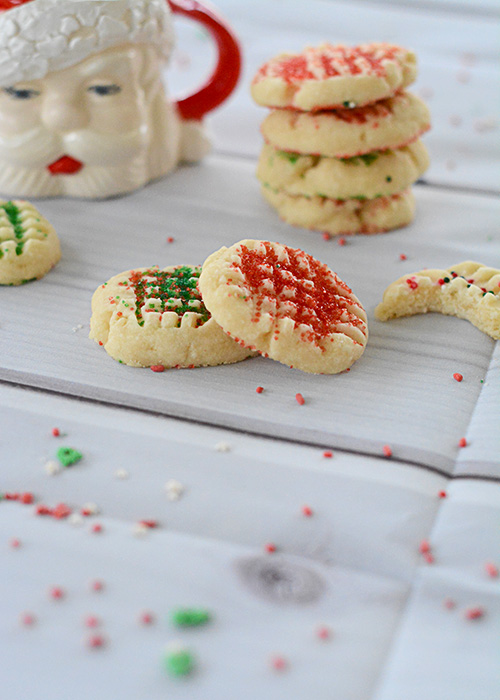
(83, 108)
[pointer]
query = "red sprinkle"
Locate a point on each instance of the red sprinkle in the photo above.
(97, 528)
(429, 558)
(56, 593)
(442, 494)
(146, 618)
(307, 511)
(149, 523)
(27, 498)
(458, 377)
(95, 641)
(170, 239)
(491, 569)
(323, 632)
(91, 621)
(462, 442)
(97, 585)
(299, 399)
(341, 241)
(449, 603)
(412, 283)
(278, 663)
(56, 432)
(270, 548)
(387, 451)
(157, 368)
(424, 547)
(474, 613)
(60, 511)
(326, 236)
(15, 543)
(402, 256)
(328, 454)
(259, 389)
(28, 619)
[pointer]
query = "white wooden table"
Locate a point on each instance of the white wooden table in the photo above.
(250, 462)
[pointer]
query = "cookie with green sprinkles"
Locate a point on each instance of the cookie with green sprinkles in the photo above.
(29, 246)
(151, 317)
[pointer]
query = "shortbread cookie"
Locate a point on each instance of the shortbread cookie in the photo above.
(344, 133)
(286, 305)
(328, 77)
(29, 246)
(342, 217)
(468, 290)
(148, 317)
(376, 174)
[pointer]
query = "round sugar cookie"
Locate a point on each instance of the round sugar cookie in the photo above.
(29, 246)
(468, 290)
(147, 316)
(376, 174)
(328, 77)
(343, 217)
(344, 133)
(285, 304)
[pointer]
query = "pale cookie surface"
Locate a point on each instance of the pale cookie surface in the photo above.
(328, 77)
(338, 217)
(376, 174)
(467, 290)
(29, 246)
(345, 133)
(285, 304)
(148, 317)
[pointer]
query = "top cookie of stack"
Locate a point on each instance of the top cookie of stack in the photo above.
(342, 142)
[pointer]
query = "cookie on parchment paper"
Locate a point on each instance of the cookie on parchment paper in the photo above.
(344, 133)
(29, 246)
(147, 317)
(285, 304)
(333, 76)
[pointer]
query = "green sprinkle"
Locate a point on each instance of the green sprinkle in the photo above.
(68, 456)
(388, 178)
(366, 159)
(190, 617)
(291, 157)
(179, 663)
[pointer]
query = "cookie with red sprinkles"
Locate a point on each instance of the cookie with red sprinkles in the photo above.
(149, 317)
(468, 290)
(332, 76)
(286, 305)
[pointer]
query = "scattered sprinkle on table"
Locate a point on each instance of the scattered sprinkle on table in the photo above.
(146, 618)
(179, 661)
(323, 632)
(96, 585)
(270, 548)
(462, 442)
(300, 399)
(97, 528)
(307, 511)
(491, 569)
(121, 474)
(223, 446)
(68, 456)
(259, 389)
(442, 494)
(15, 543)
(387, 450)
(474, 613)
(56, 593)
(89, 509)
(56, 432)
(75, 519)
(326, 236)
(52, 467)
(190, 617)
(449, 604)
(458, 377)
(91, 621)
(95, 641)
(27, 619)
(341, 241)
(424, 547)
(402, 256)
(328, 454)
(174, 489)
(170, 239)
(278, 663)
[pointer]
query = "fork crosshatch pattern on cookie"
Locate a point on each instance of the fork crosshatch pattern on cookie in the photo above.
(19, 223)
(293, 284)
(169, 293)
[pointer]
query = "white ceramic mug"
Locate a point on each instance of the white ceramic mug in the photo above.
(83, 108)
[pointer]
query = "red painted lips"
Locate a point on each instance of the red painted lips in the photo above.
(66, 165)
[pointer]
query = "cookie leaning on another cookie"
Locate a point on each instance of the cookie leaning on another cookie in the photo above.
(148, 317)
(377, 174)
(29, 246)
(468, 290)
(285, 304)
(329, 77)
(344, 133)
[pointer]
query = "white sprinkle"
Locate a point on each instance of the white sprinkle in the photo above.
(121, 474)
(486, 124)
(52, 467)
(77, 328)
(140, 530)
(174, 490)
(75, 519)
(223, 447)
(91, 508)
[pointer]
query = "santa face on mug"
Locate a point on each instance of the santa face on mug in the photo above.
(82, 112)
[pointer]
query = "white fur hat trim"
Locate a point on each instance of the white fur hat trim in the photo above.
(43, 36)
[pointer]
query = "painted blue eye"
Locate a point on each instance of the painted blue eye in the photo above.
(21, 93)
(104, 90)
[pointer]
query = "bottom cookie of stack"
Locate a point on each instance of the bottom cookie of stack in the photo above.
(342, 217)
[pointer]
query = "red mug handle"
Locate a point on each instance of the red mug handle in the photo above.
(227, 71)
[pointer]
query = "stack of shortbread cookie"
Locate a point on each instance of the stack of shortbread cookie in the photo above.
(342, 140)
